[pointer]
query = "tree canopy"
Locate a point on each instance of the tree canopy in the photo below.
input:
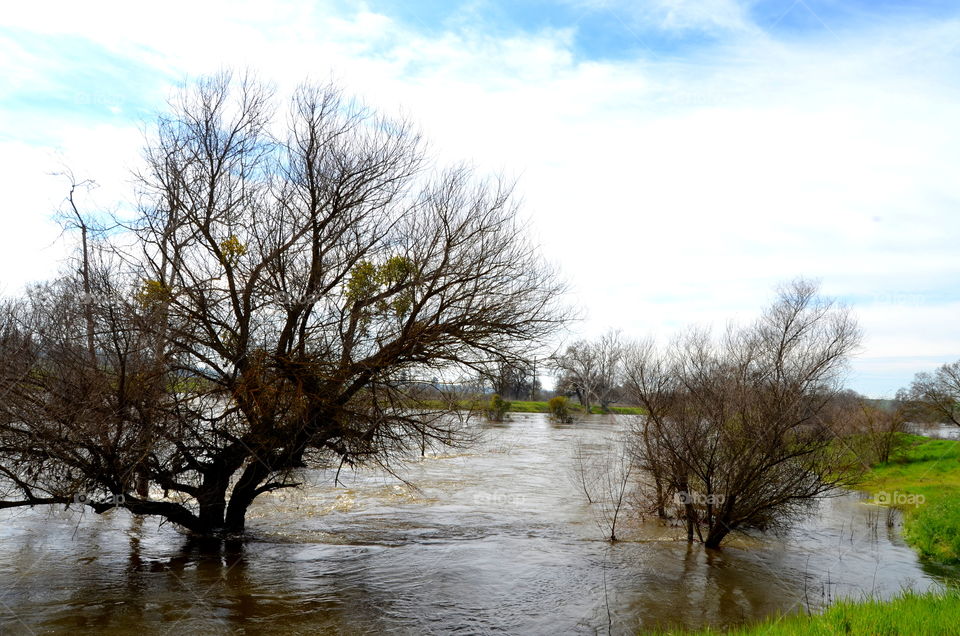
(291, 271)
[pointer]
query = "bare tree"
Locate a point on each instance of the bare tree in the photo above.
(592, 369)
(292, 277)
(738, 433)
(605, 476)
(74, 217)
(876, 432)
(934, 397)
(76, 428)
(609, 350)
(511, 379)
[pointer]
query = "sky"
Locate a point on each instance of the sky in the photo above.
(677, 159)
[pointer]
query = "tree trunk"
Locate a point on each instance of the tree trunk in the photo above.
(211, 516)
(715, 537)
(661, 510)
(142, 481)
(85, 273)
(657, 480)
(244, 492)
(691, 520)
(212, 501)
(605, 404)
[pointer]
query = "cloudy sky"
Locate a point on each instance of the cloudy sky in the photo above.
(676, 158)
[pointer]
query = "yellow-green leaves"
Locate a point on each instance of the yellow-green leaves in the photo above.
(368, 279)
(363, 281)
(394, 271)
(152, 293)
(232, 249)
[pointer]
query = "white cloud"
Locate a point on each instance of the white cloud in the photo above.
(671, 191)
(701, 14)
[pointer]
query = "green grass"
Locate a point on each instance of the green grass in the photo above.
(623, 410)
(922, 465)
(909, 614)
(519, 406)
(923, 479)
(527, 406)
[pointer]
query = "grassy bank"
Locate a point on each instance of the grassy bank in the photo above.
(529, 406)
(908, 614)
(541, 407)
(923, 480)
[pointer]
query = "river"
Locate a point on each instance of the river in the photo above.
(496, 540)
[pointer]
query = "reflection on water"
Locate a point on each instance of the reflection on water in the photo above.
(492, 541)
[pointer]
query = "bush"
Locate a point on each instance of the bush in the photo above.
(497, 409)
(560, 409)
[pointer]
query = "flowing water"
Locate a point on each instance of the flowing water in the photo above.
(937, 431)
(495, 540)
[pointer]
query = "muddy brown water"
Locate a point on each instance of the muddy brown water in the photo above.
(496, 540)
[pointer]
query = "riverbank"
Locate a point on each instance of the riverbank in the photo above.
(923, 481)
(535, 406)
(908, 614)
(542, 407)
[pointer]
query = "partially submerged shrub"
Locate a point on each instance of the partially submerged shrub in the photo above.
(560, 409)
(497, 409)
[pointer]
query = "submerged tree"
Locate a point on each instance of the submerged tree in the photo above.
(291, 276)
(605, 476)
(738, 433)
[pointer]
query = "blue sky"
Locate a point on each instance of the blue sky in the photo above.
(622, 30)
(677, 158)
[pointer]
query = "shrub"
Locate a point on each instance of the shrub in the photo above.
(497, 409)
(560, 409)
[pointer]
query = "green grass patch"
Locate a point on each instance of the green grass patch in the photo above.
(923, 479)
(623, 410)
(542, 407)
(517, 406)
(908, 614)
(527, 406)
(934, 529)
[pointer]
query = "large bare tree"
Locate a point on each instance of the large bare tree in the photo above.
(591, 369)
(934, 397)
(738, 433)
(292, 277)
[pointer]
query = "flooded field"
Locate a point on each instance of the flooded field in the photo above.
(494, 540)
